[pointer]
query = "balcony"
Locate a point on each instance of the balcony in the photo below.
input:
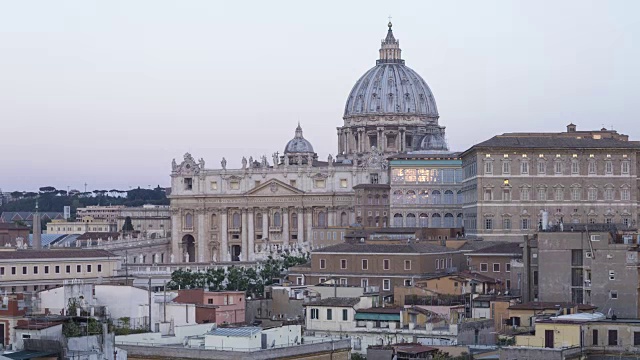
(275, 229)
(235, 230)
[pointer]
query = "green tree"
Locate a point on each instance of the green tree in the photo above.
(127, 226)
(214, 279)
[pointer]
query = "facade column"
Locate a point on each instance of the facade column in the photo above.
(224, 235)
(381, 139)
(285, 227)
(252, 236)
(265, 223)
(176, 226)
(201, 237)
(331, 213)
(309, 224)
(300, 213)
(244, 238)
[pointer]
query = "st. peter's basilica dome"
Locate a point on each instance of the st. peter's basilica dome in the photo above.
(391, 87)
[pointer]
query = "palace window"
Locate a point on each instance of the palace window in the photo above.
(559, 194)
(524, 167)
(608, 194)
(625, 194)
(506, 167)
(576, 194)
(542, 167)
(625, 167)
(575, 167)
(488, 224)
(592, 194)
(234, 185)
(542, 194)
(608, 167)
(488, 167)
(592, 167)
(558, 167)
(506, 224)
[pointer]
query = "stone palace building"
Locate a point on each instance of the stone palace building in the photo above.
(280, 202)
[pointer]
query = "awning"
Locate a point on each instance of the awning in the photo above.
(377, 317)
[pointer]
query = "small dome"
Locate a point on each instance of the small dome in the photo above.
(298, 144)
(434, 140)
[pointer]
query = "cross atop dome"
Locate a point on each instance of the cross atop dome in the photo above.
(390, 50)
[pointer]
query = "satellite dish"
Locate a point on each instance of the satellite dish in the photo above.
(273, 343)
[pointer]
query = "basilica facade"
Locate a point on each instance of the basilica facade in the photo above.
(279, 202)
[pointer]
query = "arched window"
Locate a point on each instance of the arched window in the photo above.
(188, 221)
(448, 197)
(423, 197)
(436, 197)
(459, 220)
(370, 221)
(460, 198)
(397, 197)
(411, 197)
(436, 220)
(411, 220)
(344, 220)
(277, 220)
(294, 220)
(377, 199)
(385, 221)
(397, 220)
(370, 199)
(322, 219)
(214, 221)
(423, 220)
(377, 221)
(236, 220)
(448, 220)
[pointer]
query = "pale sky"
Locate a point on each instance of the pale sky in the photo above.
(108, 92)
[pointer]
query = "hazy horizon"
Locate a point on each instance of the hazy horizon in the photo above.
(108, 93)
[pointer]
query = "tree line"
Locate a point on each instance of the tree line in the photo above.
(236, 278)
(51, 199)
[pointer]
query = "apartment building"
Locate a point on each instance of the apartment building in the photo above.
(87, 224)
(517, 183)
(384, 266)
(34, 270)
(108, 213)
(495, 262)
(590, 264)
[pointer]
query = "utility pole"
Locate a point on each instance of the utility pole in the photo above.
(149, 303)
(165, 301)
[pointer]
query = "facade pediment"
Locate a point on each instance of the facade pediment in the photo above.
(274, 187)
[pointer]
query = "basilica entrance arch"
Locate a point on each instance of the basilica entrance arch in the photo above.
(188, 248)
